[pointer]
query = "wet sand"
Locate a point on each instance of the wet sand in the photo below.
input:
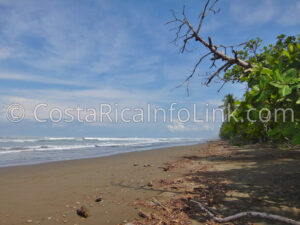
(50, 193)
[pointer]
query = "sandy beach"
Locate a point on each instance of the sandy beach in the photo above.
(50, 193)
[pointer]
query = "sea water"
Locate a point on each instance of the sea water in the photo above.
(34, 150)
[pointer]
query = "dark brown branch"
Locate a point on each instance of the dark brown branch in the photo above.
(186, 32)
(211, 8)
(193, 71)
(203, 16)
(226, 65)
(214, 49)
(224, 82)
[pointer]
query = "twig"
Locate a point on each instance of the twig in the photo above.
(155, 201)
(246, 214)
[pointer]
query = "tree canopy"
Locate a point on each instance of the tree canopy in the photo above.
(270, 107)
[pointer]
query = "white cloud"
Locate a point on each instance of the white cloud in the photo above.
(291, 16)
(178, 126)
(286, 13)
(66, 39)
(253, 12)
(40, 79)
(5, 1)
(5, 53)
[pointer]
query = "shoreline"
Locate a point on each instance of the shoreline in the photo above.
(108, 154)
(42, 192)
(228, 178)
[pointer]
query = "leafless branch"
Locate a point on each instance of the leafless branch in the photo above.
(224, 82)
(194, 70)
(222, 68)
(186, 32)
(204, 13)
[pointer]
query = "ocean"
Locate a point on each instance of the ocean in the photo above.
(16, 151)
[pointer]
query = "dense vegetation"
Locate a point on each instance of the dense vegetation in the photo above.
(270, 108)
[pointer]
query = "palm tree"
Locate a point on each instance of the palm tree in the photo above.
(229, 105)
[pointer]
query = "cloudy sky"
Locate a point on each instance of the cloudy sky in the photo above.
(70, 53)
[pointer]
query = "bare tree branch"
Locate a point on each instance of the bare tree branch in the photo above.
(226, 65)
(186, 32)
(214, 49)
(194, 70)
(224, 82)
(204, 13)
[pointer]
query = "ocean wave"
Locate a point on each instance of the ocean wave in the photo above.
(18, 149)
(20, 140)
(5, 150)
(17, 140)
(66, 143)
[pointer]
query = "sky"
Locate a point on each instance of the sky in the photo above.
(69, 54)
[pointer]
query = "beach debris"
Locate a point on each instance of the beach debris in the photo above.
(83, 212)
(147, 165)
(135, 164)
(78, 203)
(178, 210)
(150, 184)
(29, 221)
(245, 214)
(210, 201)
(98, 199)
(49, 218)
(143, 214)
(165, 168)
(198, 194)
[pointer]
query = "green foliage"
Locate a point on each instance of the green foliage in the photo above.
(273, 92)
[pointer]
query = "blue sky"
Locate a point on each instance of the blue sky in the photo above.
(69, 53)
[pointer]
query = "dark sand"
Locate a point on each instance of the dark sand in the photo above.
(49, 193)
(256, 178)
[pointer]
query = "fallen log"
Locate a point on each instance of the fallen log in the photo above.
(246, 214)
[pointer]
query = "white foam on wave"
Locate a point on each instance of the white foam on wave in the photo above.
(84, 143)
(7, 150)
(20, 140)
(92, 139)
(63, 138)
(17, 140)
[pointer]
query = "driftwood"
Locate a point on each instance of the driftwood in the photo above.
(246, 214)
